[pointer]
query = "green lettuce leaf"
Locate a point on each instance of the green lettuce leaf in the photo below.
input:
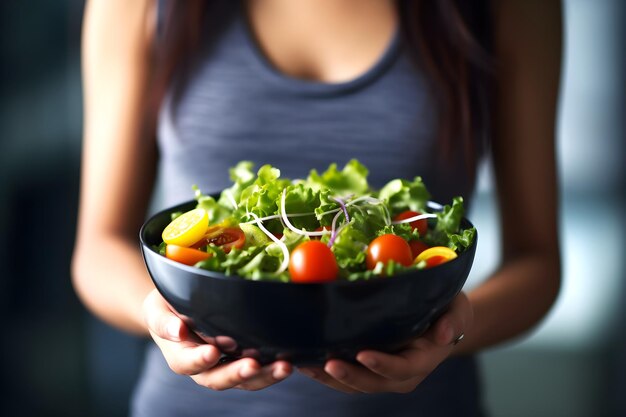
(404, 230)
(351, 180)
(254, 235)
(290, 239)
(447, 225)
(217, 212)
(326, 204)
(381, 270)
(242, 177)
(262, 196)
(302, 199)
(349, 248)
(449, 219)
(368, 219)
(461, 241)
(401, 195)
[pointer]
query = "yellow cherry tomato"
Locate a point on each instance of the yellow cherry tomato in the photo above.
(436, 256)
(187, 229)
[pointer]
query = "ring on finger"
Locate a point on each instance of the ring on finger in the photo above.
(458, 339)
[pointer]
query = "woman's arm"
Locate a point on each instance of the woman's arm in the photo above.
(528, 52)
(519, 294)
(118, 161)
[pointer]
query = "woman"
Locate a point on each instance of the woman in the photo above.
(407, 87)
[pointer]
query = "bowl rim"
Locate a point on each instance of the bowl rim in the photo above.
(221, 276)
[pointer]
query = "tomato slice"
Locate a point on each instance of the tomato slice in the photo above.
(187, 228)
(435, 260)
(421, 225)
(387, 248)
(312, 261)
(436, 256)
(225, 237)
(187, 256)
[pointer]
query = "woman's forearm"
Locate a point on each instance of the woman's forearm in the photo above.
(119, 160)
(111, 280)
(512, 301)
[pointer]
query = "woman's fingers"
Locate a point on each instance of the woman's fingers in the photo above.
(163, 323)
(454, 323)
(322, 377)
(269, 375)
(421, 358)
(184, 352)
(350, 379)
(383, 372)
(187, 354)
(424, 354)
(160, 319)
(228, 375)
(188, 358)
(403, 371)
(363, 380)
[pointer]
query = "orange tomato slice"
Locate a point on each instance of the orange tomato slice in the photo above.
(435, 256)
(187, 256)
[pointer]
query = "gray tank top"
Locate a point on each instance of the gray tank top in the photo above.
(235, 105)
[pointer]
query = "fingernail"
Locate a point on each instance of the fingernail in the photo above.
(279, 373)
(173, 329)
(369, 362)
(247, 372)
(339, 373)
(226, 344)
(207, 355)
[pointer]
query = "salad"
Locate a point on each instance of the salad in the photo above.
(329, 226)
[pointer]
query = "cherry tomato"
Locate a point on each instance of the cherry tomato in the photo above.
(187, 256)
(312, 261)
(421, 225)
(417, 247)
(386, 248)
(225, 237)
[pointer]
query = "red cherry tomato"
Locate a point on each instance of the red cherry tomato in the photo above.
(225, 237)
(187, 256)
(386, 248)
(421, 225)
(417, 247)
(312, 261)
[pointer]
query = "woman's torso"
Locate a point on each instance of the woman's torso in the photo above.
(236, 106)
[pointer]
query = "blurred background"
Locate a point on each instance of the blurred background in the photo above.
(57, 360)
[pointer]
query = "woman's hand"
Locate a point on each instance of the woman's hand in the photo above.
(404, 371)
(187, 354)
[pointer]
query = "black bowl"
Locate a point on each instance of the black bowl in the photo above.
(303, 323)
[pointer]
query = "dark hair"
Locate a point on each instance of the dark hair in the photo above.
(451, 40)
